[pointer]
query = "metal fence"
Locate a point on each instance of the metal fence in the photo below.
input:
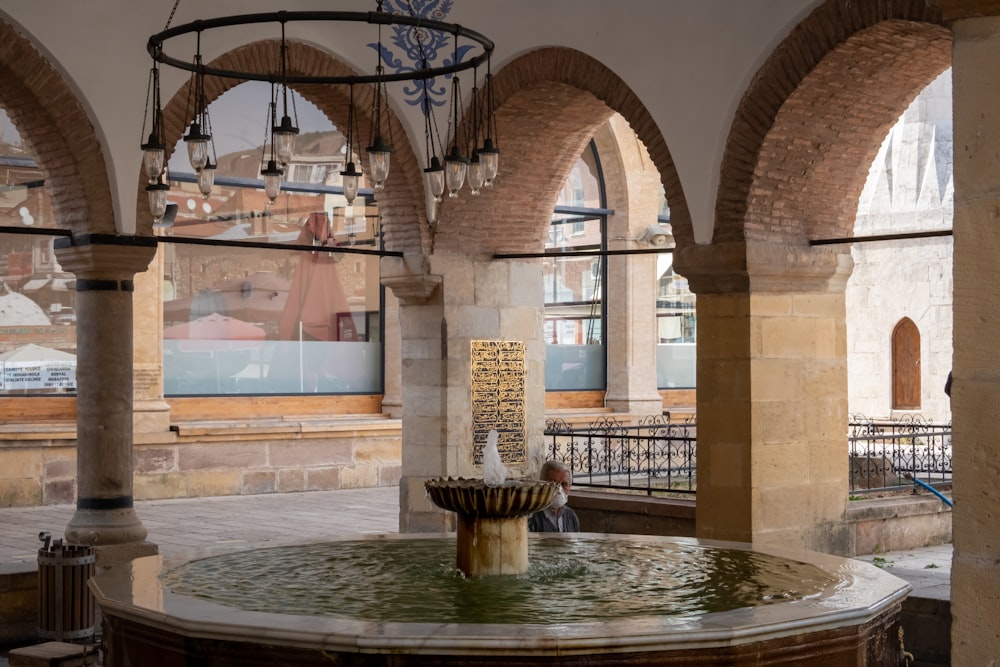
(656, 456)
(652, 455)
(890, 453)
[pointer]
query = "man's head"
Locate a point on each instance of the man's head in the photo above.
(556, 471)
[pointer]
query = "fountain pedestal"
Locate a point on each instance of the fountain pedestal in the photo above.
(492, 521)
(492, 546)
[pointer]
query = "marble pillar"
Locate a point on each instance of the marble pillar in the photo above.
(105, 267)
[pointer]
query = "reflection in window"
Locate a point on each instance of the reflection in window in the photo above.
(37, 298)
(259, 320)
(573, 286)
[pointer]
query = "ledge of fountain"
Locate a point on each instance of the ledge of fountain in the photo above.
(472, 497)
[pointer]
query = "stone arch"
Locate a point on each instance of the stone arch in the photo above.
(812, 120)
(549, 103)
(403, 221)
(55, 125)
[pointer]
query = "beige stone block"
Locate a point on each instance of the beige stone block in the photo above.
(419, 374)
(387, 451)
(421, 348)
(157, 487)
(474, 323)
(152, 460)
(723, 306)
(525, 277)
(780, 463)
(211, 455)
(60, 468)
(974, 603)
(258, 481)
(776, 422)
(521, 323)
(291, 479)
(20, 493)
(303, 453)
(788, 337)
(389, 475)
(771, 305)
(18, 463)
(726, 380)
(826, 306)
(776, 379)
(59, 491)
(359, 477)
(491, 282)
(213, 483)
(413, 495)
(322, 479)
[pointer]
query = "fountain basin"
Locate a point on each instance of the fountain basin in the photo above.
(852, 620)
(492, 521)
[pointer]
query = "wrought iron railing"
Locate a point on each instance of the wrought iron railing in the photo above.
(652, 455)
(656, 456)
(889, 453)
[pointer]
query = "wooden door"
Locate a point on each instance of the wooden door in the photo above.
(906, 366)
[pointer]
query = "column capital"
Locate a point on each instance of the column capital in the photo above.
(752, 266)
(962, 9)
(105, 255)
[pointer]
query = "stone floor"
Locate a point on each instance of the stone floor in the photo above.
(187, 526)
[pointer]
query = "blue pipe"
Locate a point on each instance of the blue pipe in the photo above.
(944, 499)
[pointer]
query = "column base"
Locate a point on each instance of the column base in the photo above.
(104, 527)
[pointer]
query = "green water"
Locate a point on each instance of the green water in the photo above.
(570, 580)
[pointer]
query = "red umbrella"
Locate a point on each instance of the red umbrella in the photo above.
(214, 332)
(316, 295)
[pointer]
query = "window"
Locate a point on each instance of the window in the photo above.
(574, 285)
(244, 318)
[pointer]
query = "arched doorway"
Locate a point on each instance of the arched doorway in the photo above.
(905, 366)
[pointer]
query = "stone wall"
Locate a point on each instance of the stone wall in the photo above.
(215, 459)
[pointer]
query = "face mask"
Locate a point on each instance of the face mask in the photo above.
(559, 499)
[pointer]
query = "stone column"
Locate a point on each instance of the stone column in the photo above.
(632, 335)
(772, 394)
(975, 578)
(151, 413)
(104, 266)
(458, 300)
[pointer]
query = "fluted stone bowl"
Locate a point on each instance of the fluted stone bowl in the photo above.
(471, 497)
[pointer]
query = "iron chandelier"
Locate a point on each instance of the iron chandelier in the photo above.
(478, 141)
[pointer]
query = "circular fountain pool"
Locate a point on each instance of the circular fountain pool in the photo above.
(598, 599)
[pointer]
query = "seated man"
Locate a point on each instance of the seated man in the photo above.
(557, 517)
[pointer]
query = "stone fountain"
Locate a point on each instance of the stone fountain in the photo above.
(492, 515)
(380, 601)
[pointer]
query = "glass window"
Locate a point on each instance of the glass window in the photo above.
(37, 298)
(244, 318)
(574, 285)
(676, 325)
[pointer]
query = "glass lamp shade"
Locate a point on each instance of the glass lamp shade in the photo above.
(157, 195)
(272, 180)
(283, 136)
(153, 155)
(197, 145)
(434, 179)
(455, 167)
(489, 157)
(378, 159)
(351, 179)
(475, 174)
(206, 179)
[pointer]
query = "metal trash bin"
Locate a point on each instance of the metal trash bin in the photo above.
(66, 607)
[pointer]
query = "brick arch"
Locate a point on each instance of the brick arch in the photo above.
(549, 103)
(403, 220)
(810, 124)
(53, 123)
